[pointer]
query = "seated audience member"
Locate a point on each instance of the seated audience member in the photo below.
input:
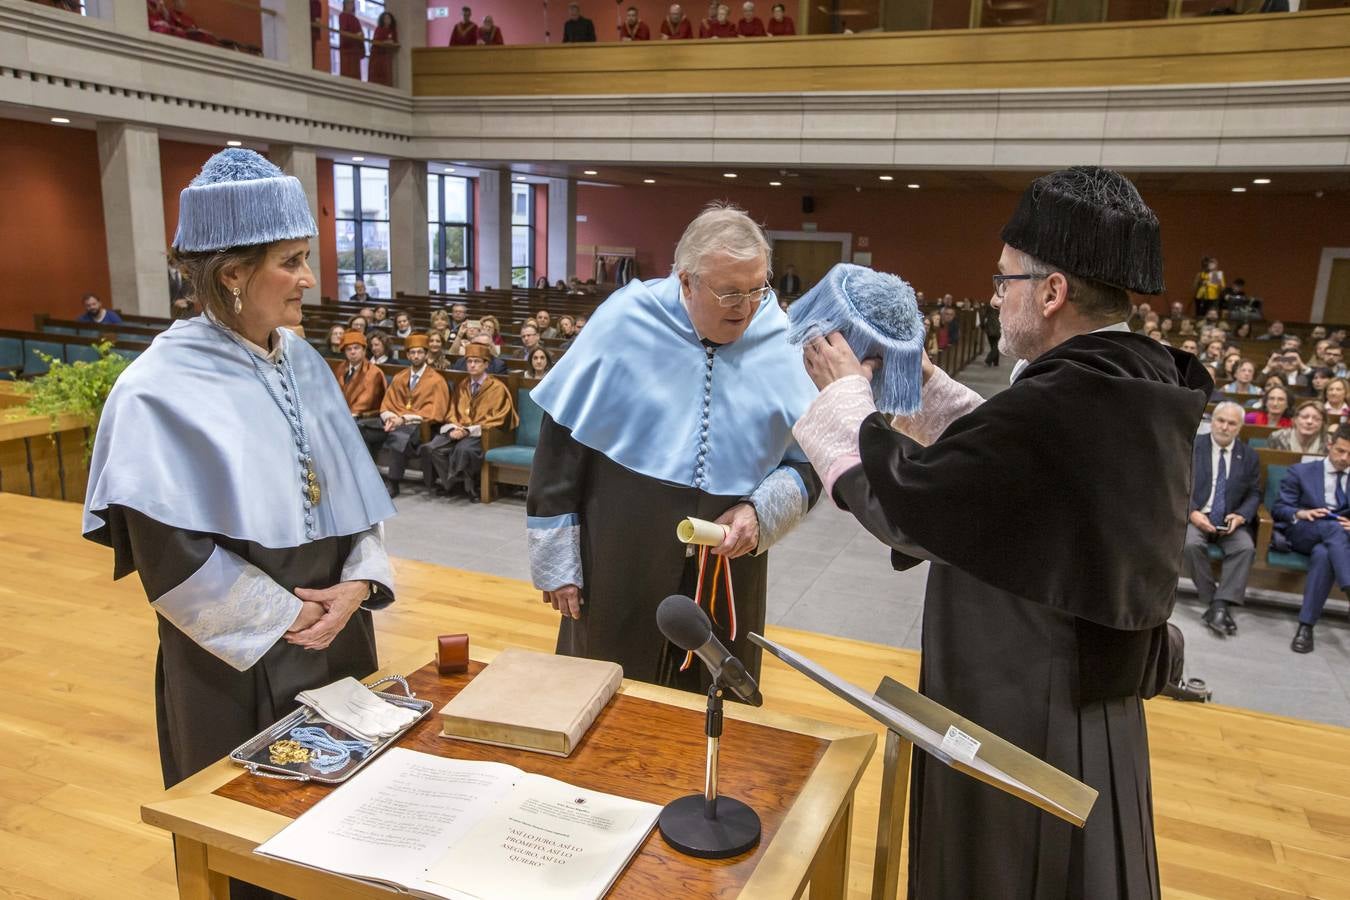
(1334, 358)
(358, 323)
(381, 319)
(1186, 328)
(1274, 408)
(465, 32)
(335, 335)
(1188, 345)
(1176, 311)
(1311, 513)
(1243, 332)
(674, 27)
(576, 30)
(632, 29)
(1213, 352)
(495, 366)
(440, 321)
(454, 457)
(540, 363)
(469, 330)
(383, 50)
(415, 395)
(580, 323)
(779, 24)
(182, 308)
(1166, 327)
(362, 381)
(459, 314)
(567, 327)
(722, 26)
(94, 312)
(367, 313)
(529, 339)
(1244, 373)
(544, 322)
(1308, 433)
(750, 24)
(492, 329)
(1291, 342)
(1153, 334)
(705, 26)
(1274, 331)
(377, 347)
(1318, 333)
(436, 355)
(1289, 366)
(1334, 400)
(1317, 382)
(1231, 357)
(489, 33)
(1225, 492)
(402, 325)
(560, 285)
(351, 44)
(790, 283)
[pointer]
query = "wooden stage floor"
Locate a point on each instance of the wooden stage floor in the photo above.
(1248, 805)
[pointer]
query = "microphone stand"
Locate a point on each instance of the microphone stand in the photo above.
(706, 825)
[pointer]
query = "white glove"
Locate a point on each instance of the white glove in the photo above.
(355, 708)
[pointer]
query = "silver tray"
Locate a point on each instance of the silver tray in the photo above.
(253, 754)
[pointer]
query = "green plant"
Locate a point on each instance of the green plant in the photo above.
(79, 388)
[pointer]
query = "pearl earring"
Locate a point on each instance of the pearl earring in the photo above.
(238, 303)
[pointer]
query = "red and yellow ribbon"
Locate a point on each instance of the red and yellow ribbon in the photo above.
(723, 568)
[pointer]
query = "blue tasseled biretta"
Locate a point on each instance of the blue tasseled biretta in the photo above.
(879, 317)
(240, 199)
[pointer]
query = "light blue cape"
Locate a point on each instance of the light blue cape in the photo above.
(631, 386)
(191, 438)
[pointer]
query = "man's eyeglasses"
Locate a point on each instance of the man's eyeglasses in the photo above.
(737, 298)
(1001, 283)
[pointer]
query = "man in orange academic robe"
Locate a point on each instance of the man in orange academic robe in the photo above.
(675, 27)
(465, 32)
(417, 394)
(454, 458)
(632, 28)
(362, 381)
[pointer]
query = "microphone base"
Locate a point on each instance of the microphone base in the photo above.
(685, 827)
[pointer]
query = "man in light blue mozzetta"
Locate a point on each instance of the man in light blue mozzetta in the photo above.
(676, 401)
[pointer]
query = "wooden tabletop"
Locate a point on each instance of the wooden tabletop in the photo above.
(647, 744)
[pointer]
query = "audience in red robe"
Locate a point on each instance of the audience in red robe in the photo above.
(383, 49)
(490, 33)
(632, 28)
(351, 41)
(465, 32)
(722, 26)
(750, 24)
(675, 27)
(779, 24)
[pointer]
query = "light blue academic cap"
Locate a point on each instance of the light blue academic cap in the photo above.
(240, 199)
(878, 315)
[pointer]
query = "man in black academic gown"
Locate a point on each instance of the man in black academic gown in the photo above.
(1048, 625)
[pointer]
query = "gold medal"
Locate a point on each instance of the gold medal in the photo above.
(312, 487)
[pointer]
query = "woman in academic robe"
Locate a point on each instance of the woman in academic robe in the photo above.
(490, 33)
(383, 48)
(227, 471)
(780, 24)
(351, 41)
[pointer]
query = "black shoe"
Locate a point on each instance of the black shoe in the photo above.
(391, 487)
(1192, 690)
(1303, 639)
(1214, 619)
(1226, 620)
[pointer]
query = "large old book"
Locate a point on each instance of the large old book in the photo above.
(467, 830)
(532, 701)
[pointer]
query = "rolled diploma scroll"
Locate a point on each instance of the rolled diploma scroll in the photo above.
(699, 531)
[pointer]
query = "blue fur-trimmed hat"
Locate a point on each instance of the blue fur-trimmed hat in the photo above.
(879, 317)
(240, 199)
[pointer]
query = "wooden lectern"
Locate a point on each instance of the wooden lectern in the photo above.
(913, 720)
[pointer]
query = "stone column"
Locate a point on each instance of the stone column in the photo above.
(303, 164)
(494, 229)
(133, 217)
(409, 250)
(412, 32)
(127, 16)
(286, 33)
(562, 229)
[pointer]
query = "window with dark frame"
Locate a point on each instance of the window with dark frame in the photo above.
(449, 233)
(522, 235)
(362, 205)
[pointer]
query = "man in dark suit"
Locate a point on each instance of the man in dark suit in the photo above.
(577, 29)
(1313, 512)
(1225, 492)
(791, 283)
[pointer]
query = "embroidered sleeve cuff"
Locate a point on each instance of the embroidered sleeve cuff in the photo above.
(829, 430)
(231, 608)
(368, 561)
(944, 401)
(554, 544)
(780, 502)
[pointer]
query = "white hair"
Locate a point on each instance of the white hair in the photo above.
(1227, 403)
(720, 228)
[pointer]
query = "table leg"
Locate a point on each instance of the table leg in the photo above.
(195, 880)
(829, 873)
(891, 823)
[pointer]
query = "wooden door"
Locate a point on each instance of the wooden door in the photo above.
(1338, 293)
(812, 259)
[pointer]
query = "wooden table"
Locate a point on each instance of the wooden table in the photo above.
(648, 744)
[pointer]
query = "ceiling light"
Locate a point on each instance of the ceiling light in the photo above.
(886, 177)
(1239, 190)
(649, 181)
(775, 184)
(728, 174)
(234, 143)
(60, 120)
(590, 172)
(358, 159)
(449, 169)
(912, 187)
(520, 178)
(1260, 181)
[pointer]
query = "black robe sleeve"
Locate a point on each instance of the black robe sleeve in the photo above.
(558, 473)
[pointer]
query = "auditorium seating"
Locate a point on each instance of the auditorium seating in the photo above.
(510, 463)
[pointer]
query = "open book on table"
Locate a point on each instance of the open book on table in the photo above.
(452, 828)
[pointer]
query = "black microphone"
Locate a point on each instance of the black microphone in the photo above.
(687, 627)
